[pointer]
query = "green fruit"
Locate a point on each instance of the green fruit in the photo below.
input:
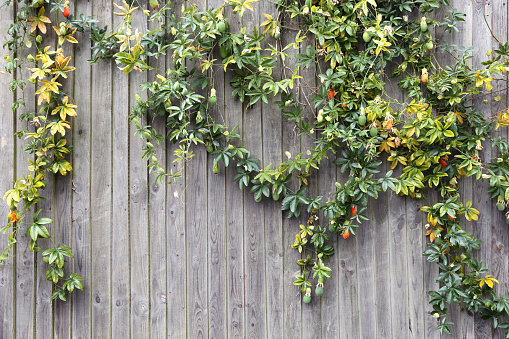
(332, 227)
(184, 91)
(438, 241)
(373, 131)
(221, 26)
(215, 167)
(501, 206)
(319, 118)
(362, 120)
(424, 27)
(213, 100)
(277, 35)
(306, 299)
(210, 149)
(366, 36)
(319, 290)
(39, 3)
(275, 196)
(154, 4)
(223, 51)
(429, 45)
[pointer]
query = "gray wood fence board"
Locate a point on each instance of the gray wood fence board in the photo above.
(216, 218)
(234, 213)
(292, 298)
(138, 207)
(254, 227)
(499, 250)
(176, 250)
(120, 243)
(81, 200)
(330, 298)
(482, 228)
(7, 155)
(157, 224)
(25, 259)
(176, 264)
(61, 199)
(272, 153)
(100, 187)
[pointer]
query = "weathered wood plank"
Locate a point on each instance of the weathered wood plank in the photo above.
(25, 259)
(120, 243)
(157, 221)
(196, 237)
(81, 199)
(7, 153)
(254, 230)
(100, 186)
(499, 237)
(61, 199)
(176, 250)
(482, 228)
(311, 313)
(234, 213)
(292, 296)
(138, 207)
(330, 299)
(272, 151)
(176, 258)
(216, 218)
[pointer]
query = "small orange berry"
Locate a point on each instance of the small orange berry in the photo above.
(346, 234)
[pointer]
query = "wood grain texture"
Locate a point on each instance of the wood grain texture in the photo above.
(81, 199)
(482, 228)
(25, 258)
(120, 242)
(7, 155)
(273, 217)
(216, 219)
(292, 296)
(157, 223)
(254, 228)
(100, 187)
(234, 213)
(201, 259)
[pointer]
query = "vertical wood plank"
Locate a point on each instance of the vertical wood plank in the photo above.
(397, 244)
(234, 212)
(7, 153)
(216, 218)
(120, 244)
(415, 231)
(176, 263)
(196, 236)
(81, 175)
(292, 296)
(331, 302)
(62, 200)
(272, 151)
(482, 228)
(254, 230)
(348, 281)
(499, 237)
(311, 313)
(25, 268)
(176, 258)
(366, 277)
(464, 38)
(157, 221)
(100, 186)
(138, 207)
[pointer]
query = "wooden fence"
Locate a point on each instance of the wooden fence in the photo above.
(200, 258)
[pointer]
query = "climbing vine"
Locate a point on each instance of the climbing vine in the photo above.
(435, 135)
